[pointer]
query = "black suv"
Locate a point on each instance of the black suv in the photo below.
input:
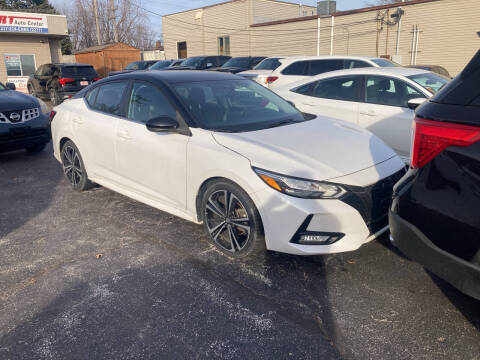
(202, 63)
(57, 82)
(435, 214)
(134, 66)
(24, 123)
(239, 64)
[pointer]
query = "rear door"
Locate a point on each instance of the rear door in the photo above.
(334, 97)
(37, 81)
(95, 129)
(151, 163)
(384, 111)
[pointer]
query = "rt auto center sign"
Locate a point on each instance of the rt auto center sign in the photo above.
(23, 22)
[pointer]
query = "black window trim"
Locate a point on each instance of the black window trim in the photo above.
(359, 88)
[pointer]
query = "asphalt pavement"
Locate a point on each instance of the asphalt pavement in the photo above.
(96, 275)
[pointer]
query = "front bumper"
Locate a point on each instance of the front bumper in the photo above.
(356, 218)
(23, 135)
(462, 274)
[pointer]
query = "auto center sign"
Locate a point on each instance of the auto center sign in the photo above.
(23, 22)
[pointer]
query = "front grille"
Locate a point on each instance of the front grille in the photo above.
(18, 116)
(373, 202)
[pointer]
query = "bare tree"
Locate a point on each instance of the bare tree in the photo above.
(128, 19)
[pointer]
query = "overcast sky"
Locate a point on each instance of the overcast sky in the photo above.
(170, 6)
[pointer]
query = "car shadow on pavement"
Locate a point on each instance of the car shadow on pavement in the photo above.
(27, 186)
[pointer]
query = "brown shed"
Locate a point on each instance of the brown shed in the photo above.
(108, 57)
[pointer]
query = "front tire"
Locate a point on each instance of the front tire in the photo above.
(73, 167)
(232, 221)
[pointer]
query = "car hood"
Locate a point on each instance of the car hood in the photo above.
(13, 100)
(182, 67)
(319, 149)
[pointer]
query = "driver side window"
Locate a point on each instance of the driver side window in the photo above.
(148, 102)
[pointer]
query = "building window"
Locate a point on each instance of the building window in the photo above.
(19, 65)
(224, 45)
(182, 49)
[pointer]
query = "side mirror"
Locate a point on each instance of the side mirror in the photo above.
(10, 86)
(414, 103)
(162, 124)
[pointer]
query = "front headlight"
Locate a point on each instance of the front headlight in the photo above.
(43, 107)
(308, 189)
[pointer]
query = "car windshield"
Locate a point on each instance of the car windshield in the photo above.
(240, 62)
(385, 63)
(84, 71)
(430, 81)
(162, 64)
(193, 61)
(235, 105)
(268, 64)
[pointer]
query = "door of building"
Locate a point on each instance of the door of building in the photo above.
(182, 49)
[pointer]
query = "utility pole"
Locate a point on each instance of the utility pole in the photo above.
(95, 10)
(113, 21)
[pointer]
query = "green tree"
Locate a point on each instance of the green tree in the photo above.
(67, 48)
(37, 6)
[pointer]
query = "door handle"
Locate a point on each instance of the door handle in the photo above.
(124, 135)
(369, 113)
(77, 120)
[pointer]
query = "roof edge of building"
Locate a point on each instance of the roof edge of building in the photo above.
(342, 13)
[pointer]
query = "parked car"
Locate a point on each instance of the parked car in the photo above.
(295, 68)
(24, 121)
(134, 66)
(434, 68)
(219, 149)
(202, 62)
(434, 216)
(378, 99)
(238, 64)
(165, 64)
(57, 82)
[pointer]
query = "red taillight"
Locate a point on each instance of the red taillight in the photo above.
(430, 138)
(63, 81)
(96, 78)
(52, 115)
(270, 79)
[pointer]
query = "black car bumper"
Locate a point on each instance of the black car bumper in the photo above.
(462, 274)
(23, 138)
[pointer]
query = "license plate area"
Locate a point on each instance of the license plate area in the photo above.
(83, 83)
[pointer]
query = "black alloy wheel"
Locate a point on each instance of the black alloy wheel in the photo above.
(232, 221)
(73, 167)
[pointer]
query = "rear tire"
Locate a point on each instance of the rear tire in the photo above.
(232, 221)
(74, 168)
(31, 91)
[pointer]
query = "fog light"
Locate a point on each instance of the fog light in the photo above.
(318, 238)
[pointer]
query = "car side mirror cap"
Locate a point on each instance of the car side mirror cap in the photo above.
(10, 86)
(162, 124)
(414, 103)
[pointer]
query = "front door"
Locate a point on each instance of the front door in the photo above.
(385, 112)
(151, 163)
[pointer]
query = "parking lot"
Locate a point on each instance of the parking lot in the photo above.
(96, 274)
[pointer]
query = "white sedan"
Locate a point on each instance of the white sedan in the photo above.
(381, 100)
(217, 149)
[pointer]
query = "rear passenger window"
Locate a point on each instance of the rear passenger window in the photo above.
(297, 68)
(109, 98)
(343, 88)
(353, 64)
(323, 66)
(91, 96)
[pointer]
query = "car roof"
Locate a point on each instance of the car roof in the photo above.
(69, 64)
(395, 71)
(177, 76)
(349, 57)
